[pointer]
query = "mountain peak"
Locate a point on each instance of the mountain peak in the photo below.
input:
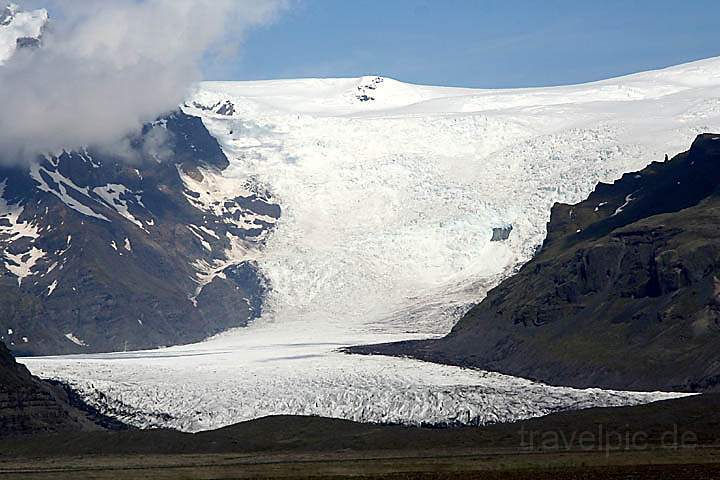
(19, 28)
(367, 87)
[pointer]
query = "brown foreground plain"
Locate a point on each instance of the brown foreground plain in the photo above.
(675, 439)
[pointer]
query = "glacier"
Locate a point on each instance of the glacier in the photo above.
(390, 193)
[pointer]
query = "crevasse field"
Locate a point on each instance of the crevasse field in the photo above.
(390, 193)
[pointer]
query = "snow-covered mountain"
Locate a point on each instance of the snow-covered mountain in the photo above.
(101, 251)
(111, 248)
(401, 205)
(19, 28)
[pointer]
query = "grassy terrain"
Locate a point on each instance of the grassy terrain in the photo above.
(698, 464)
(670, 439)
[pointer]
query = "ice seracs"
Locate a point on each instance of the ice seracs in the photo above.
(396, 199)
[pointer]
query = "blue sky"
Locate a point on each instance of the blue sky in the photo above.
(482, 43)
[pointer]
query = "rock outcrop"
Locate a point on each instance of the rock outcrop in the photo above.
(29, 405)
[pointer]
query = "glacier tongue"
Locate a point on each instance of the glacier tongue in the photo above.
(264, 370)
(389, 206)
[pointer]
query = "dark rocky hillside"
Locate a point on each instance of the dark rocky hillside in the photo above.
(674, 439)
(697, 414)
(30, 406)
(625, 292)
(105, 250)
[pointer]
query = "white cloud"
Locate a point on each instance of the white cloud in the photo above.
(108, 66)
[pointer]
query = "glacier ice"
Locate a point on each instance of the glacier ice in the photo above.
(389, 206)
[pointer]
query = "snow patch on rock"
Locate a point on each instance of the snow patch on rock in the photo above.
(75, 340)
